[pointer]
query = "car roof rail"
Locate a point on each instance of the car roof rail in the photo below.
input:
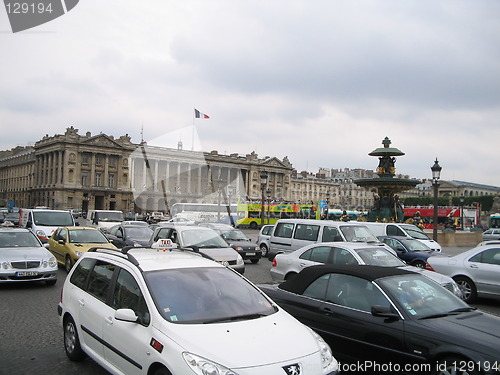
(119, 252)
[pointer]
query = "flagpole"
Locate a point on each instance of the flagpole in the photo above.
(192, 135)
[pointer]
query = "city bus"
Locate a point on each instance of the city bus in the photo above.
(205, 212)
(249, 214)
(494, 221)
(336, 214)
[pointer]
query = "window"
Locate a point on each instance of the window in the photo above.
(306, 232)
(85, 179)
(490, 256)
(98, 181)
(331, 234)
(393, 230)
(99, 280)
(284, 230)
(112, 161)
(318, 254)
(81, 273)
(85, 158)
(342, 256)
(127, 295)
(111, 180)
(98, 159)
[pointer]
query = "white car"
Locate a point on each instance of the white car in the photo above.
(165, 311)
(288, 265)
(23, 258)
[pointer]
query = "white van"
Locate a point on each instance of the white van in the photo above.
(43, 222)
(292, 234)
(104, 219)
(405, 230)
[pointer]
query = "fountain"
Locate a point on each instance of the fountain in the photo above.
(387, 207)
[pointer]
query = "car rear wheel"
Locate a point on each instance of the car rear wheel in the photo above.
(290, 275)
(419, 264)
(72, 342)
(467, 287)
(68, 263)
(253, 225)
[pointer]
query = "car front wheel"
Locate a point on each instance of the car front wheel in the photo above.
(264, 250)
(467, 287)
(68, 263)
(72, 342)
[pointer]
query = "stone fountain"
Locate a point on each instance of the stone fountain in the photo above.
(385, 187)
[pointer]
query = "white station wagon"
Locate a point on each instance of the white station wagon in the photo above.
(164, 311)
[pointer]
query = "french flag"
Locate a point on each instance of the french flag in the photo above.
(198, 114)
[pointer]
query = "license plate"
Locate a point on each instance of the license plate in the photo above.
(27, 273)
(250, 254)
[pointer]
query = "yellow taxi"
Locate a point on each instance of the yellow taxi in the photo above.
(69, 243)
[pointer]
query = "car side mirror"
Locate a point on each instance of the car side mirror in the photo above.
(384, 312)
(77, 224)
(126, 315)
(61, 242)
(401, 249)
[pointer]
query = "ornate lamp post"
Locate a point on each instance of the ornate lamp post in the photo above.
(263, 183)
(231, 190)
(218, 185)
(462, 201)
(436, 173)
(327, 203)
(269, 192)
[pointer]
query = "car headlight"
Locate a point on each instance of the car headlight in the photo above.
(239, 260)
(5, 265)
(325, 351)
(238, 248)
(203, 366)
(41, 234)
(52, 262)
(257, 248)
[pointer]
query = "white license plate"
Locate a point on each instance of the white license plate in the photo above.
(250, 254)
(27, 273)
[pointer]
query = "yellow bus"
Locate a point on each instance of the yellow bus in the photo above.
(249, 214)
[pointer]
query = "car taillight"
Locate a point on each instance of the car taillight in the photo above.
(275, 263)
(428, 267)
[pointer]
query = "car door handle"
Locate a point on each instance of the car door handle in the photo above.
(81, 302)
(325, 309)
(473, 266)
(302, 264)
(109, 320)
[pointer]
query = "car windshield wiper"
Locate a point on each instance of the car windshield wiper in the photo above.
(235, 318)
(452, 312)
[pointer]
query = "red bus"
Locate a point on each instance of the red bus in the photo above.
(427, 215)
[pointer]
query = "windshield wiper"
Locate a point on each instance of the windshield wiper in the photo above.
(235, 318)
(452, 312)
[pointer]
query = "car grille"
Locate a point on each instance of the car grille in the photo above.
(24, 265)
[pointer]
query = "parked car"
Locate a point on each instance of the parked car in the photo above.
(174, 312)
(237, 240)
(491, 234)
(23, 258)
(205, 240)
(264, 238)
(13, 217)
(411, 250)
(129, 235)
(286, 266)
(391, 316)
(476, 271)
(69, 243)
(135, 222)
(179, 220)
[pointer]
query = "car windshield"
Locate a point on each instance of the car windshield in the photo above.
(205, 295)
(416, 232)
(53, 218)
(86, 236)
(18, 239)
(202, 239)
(378, 256)
(423, 298)
(138, 232)
(234, 235)
(415, 245)
(357, 233)
(109, 216)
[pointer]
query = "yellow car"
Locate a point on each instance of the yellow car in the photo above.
(68, 243)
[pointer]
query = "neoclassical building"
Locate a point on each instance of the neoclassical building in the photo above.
(100, 172)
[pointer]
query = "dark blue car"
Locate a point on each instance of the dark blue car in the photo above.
(410, 250)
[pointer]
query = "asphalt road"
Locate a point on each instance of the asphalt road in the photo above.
(31, 340)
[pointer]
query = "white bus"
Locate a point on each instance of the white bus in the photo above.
(205, 212)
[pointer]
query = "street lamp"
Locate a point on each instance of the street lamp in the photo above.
(263, 183)
(462, 201)
(327, 203)
(231, 190)
(218, 184)
(268, 194)
(436, 173)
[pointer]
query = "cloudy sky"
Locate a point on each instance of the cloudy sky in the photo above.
(320, 81)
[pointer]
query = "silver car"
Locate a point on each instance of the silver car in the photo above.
(23, 258)
(477, 271)
(491, 234)
(205, 240)
(264, 238)
(288, 265)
